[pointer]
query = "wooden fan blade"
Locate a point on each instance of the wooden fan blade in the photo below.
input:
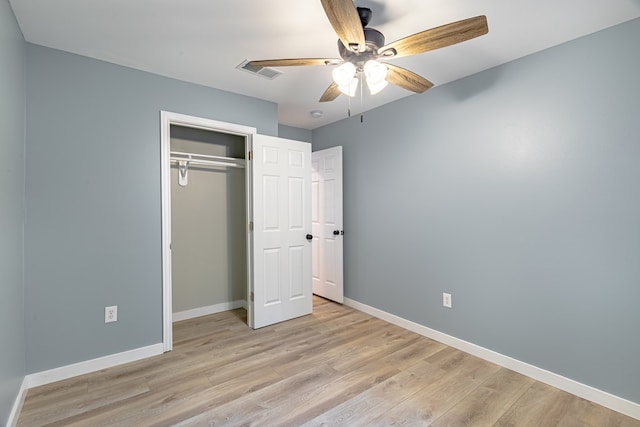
(345, 21)
(407, 79)
(331, 93)
(435, 38)
(294, 62)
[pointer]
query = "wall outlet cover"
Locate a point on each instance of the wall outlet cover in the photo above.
(446, 300)
(111, 314)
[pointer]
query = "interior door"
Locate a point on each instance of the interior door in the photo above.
(326, 190)
(280, 287)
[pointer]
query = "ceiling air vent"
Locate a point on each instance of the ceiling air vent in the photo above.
(268, 73)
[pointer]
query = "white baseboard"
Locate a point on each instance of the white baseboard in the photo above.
(608, 400)
(211, 309)
(81, 368)
(17, 405)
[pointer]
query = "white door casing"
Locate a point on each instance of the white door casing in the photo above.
(281, 254)
(166, 120)
(327, 265)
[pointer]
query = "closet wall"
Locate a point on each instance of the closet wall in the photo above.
(208, 234)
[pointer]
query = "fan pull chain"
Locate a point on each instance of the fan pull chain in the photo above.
(361, 101)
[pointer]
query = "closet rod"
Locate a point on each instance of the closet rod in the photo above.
(205, 159)
(209, 163)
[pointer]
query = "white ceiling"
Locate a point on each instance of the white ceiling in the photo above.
(202, 41)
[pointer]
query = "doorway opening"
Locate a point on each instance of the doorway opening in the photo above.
(211, 241)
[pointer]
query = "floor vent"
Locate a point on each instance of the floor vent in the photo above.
(268, 73)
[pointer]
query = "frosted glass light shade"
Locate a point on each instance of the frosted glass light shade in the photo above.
(375, 87)
(374, 71)
(349, 89)
(344, 73)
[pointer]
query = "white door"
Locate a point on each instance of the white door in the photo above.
(326, 190)
(280, 288)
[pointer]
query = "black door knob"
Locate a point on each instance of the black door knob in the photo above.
(309, 237)
(336, 232)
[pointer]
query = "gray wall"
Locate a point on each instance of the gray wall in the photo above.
(12, 140)
(290, 132)
(516, 190)
(93, 200)
(208, 218)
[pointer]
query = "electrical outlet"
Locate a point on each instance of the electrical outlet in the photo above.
(446, 300)
(111, 314)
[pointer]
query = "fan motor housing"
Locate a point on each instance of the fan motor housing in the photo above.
(374, 40)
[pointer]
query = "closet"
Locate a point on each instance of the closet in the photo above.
(236, 222)
(208, 221)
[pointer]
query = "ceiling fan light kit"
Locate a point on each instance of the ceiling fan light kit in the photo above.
(361, 48)
(346, 77)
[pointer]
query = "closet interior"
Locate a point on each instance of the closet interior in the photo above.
(208, 222)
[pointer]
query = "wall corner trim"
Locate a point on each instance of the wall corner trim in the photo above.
(17, 405)
(608, 400)
(80, 368)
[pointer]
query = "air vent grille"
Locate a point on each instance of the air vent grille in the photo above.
(267, 73)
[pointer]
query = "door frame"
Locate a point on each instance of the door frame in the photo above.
(167, 119)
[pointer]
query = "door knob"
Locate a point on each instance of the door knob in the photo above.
(309, 237)
(336, 232)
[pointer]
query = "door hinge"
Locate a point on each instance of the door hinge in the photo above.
(249, 155)
(250, 225)
(251, 296)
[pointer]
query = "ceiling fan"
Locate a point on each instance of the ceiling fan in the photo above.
(361, 48)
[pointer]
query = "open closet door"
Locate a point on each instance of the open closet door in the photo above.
(280, 286)
(326, 182)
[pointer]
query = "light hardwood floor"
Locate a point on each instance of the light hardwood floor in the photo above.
(336, 367)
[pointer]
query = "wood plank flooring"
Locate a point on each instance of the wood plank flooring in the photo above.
(336, 367)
